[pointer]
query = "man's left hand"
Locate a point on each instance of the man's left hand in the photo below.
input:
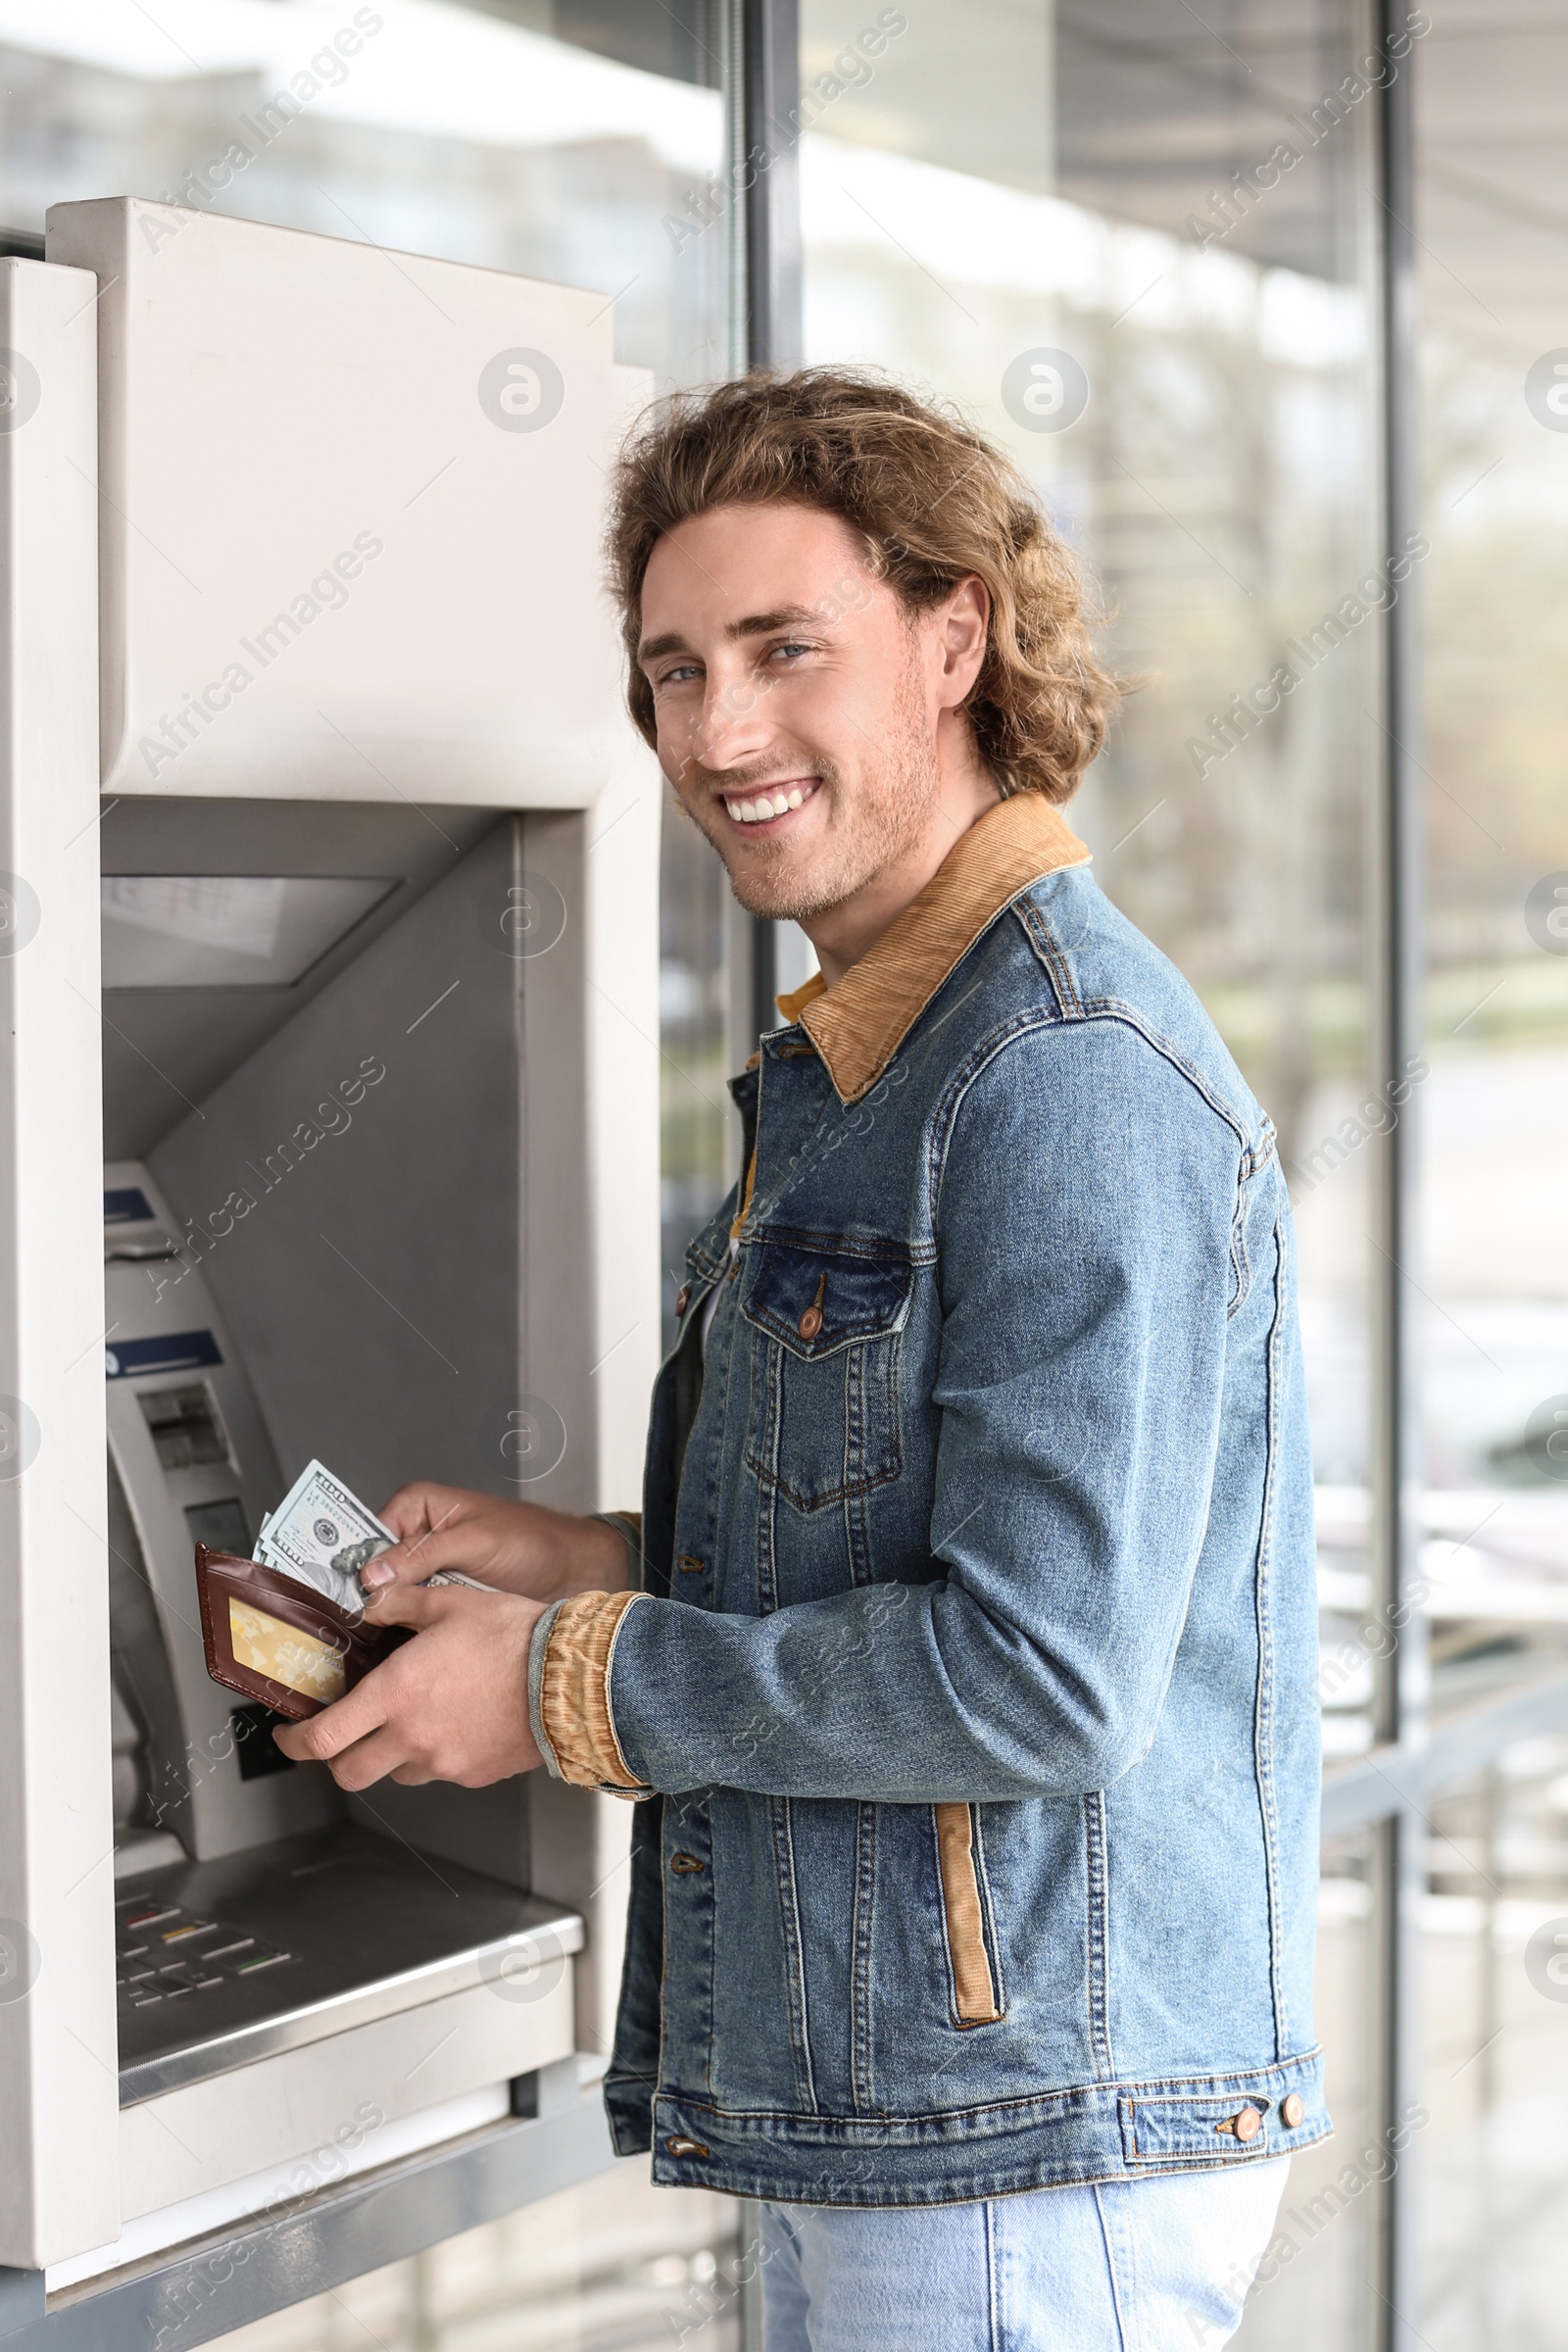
(450, 1705)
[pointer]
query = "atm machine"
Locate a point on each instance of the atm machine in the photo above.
(328, 950)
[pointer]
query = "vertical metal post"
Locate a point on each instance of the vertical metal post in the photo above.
(770, 83)
(767, 172)
(1400, 1694)
(1398, 1880)
(1397, 887)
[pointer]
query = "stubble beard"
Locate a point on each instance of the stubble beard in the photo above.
(869, 829)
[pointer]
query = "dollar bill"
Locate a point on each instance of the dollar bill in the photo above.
(323, 1535)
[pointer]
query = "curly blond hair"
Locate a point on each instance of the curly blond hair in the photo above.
(931, 501)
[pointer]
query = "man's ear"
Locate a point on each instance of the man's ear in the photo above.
(962, 623)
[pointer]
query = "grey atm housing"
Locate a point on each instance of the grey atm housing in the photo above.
(352, 1154)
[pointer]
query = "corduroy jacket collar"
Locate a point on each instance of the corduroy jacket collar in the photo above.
(859, 1024)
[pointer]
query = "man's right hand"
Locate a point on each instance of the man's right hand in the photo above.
(516, 1546)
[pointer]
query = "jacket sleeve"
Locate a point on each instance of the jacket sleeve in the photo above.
(1084, 1215)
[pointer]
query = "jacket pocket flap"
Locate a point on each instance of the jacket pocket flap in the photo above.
(1188, 2131)
(816, 1298)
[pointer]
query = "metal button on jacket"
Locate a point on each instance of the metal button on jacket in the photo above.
(684, 1864)
(682, 1300)
(810, 1322)
(1293, 2109)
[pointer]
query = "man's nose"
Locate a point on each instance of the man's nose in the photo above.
(736, 722)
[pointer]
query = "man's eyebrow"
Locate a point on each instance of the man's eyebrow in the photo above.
(783, 617)
(654, 649)
(755, 624)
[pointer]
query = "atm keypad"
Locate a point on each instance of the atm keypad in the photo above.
(164, 1951)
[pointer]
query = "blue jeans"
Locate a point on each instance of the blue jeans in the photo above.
(1143, 2266)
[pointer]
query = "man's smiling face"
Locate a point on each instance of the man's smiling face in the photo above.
(797, 701)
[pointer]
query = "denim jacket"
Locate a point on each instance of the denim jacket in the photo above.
(975, 1662)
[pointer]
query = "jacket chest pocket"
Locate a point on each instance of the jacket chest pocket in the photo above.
(824, 1404)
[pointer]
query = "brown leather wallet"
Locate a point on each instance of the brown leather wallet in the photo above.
(273, 1638)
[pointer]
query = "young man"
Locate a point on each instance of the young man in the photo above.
(966, 1664)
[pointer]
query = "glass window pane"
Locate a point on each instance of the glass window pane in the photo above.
(485, 135)
(1084, 228)
(1495, 1111)
(1137, 253)
(1495, 2158)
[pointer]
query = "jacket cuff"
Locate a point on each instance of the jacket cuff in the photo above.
(570, 1660)
(539, 1642)
(628, 1525)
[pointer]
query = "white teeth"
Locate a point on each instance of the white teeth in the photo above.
(769, 803)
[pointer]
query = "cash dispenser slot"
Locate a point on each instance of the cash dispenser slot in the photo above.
(258, 1913)
(186, 1427)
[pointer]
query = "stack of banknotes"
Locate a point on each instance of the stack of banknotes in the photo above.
(323, 1535)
